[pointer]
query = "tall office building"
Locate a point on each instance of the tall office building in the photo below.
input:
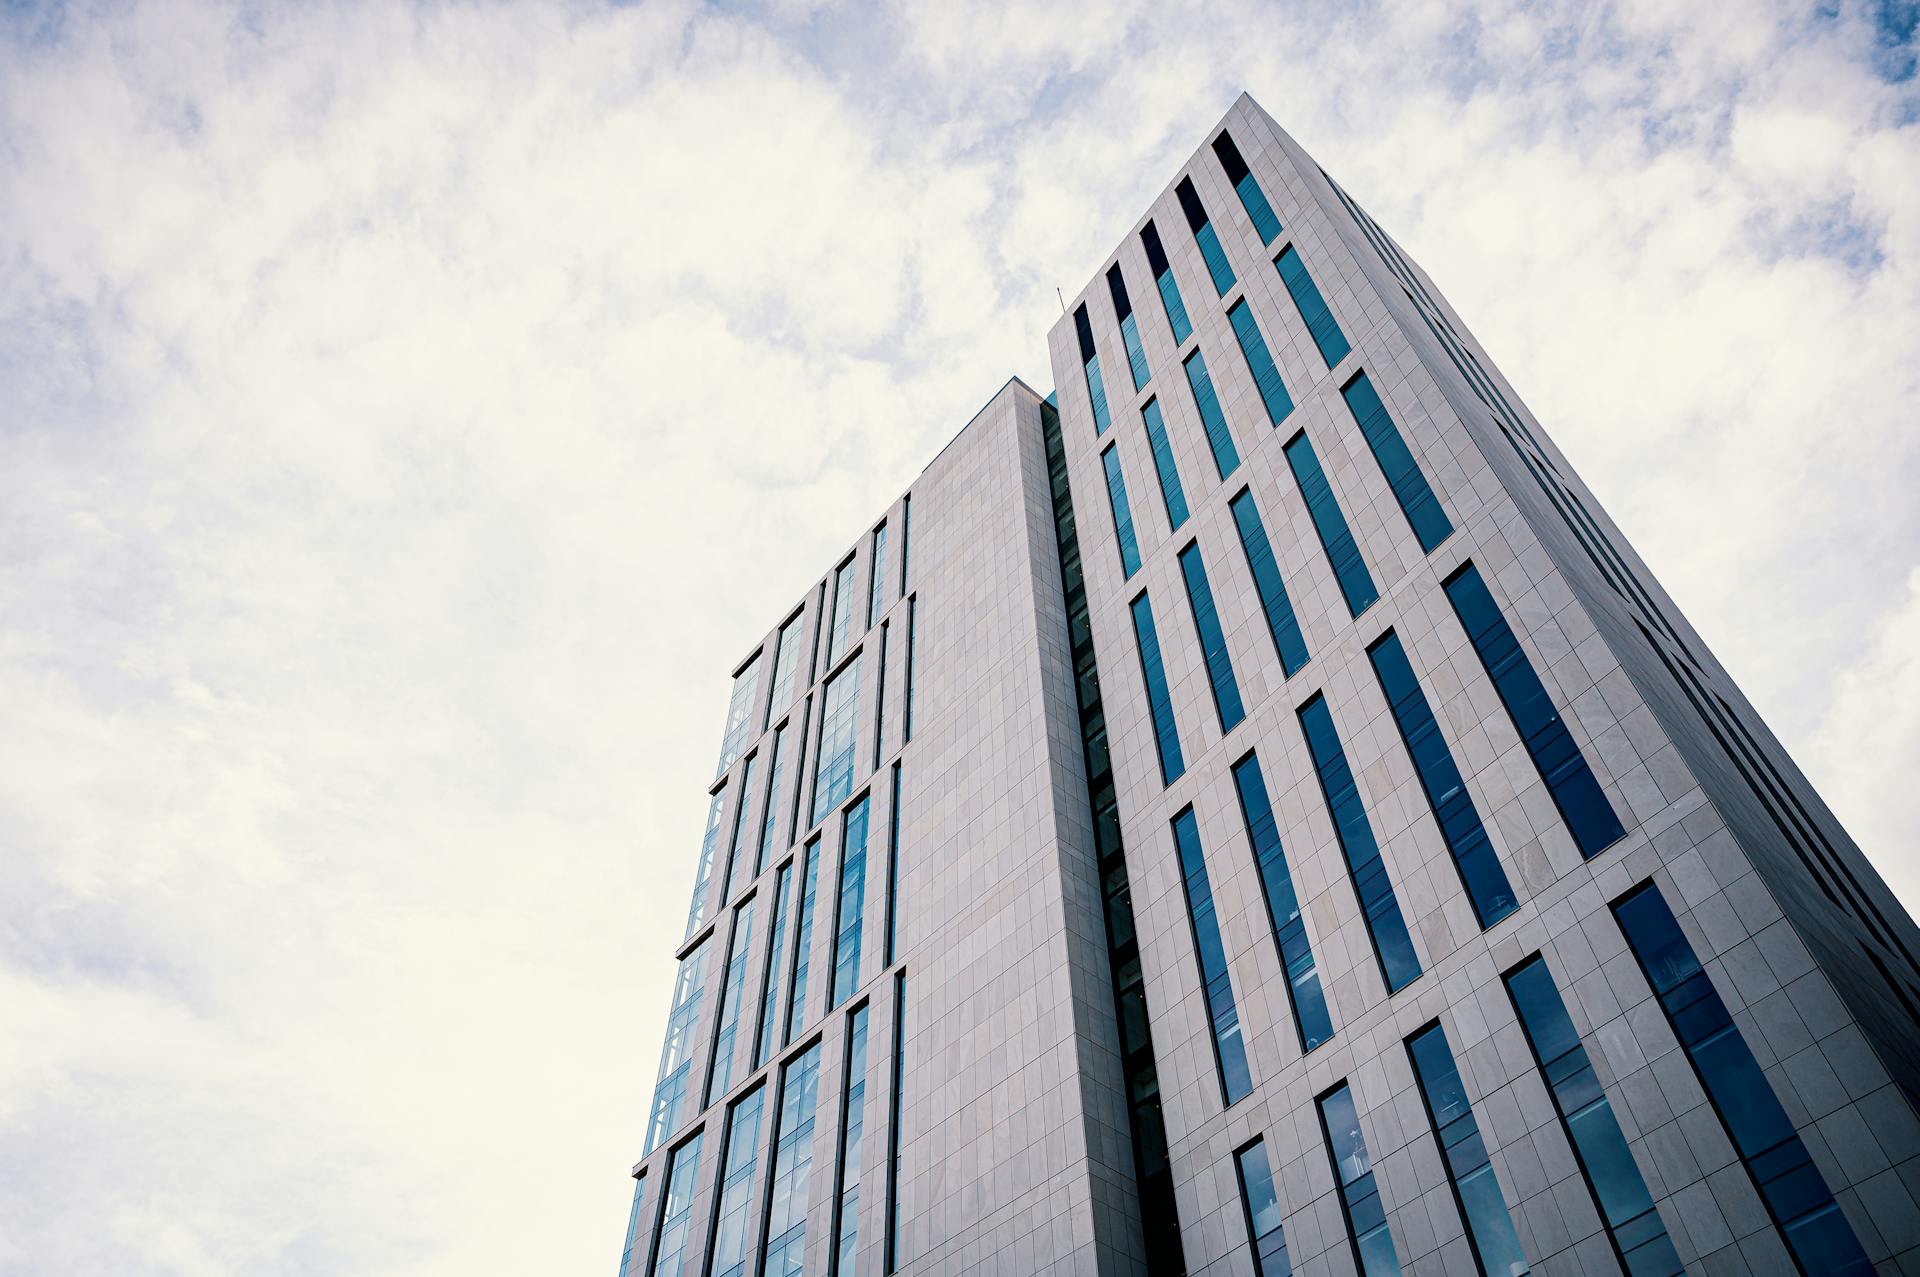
(1258, 815)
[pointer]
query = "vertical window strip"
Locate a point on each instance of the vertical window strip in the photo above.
(1583, 805)
(906, 527)
(739, 1157)
(740, 702)
(800, 772)
(796, 1017)
(1313, 308)
(1166, 733)
(733, 995)
(1403, 475)
(1262, 1207)
(1252, 198)
(633, 1224)
(906, 709)
(776, 763)
(788, 1191)
(1266, 374)
(1311, 1022)
(1216, 989)
(1476, 1190)
(1204, 235)
(1783, 1172)
(786, 661)
(877, 577)
(1288, 642)
(1168, 287)
(1090, 361)
(1473, 855)
(895, 1108)
(893, 865)
(842, 628)
(1213, 640)
(767, 1039)
(1171, 495)
(850, 905)
(1122, 511)
(735, 861)
(839, 726)
(1360, 1204)
(676, 1052)
(1336, 539)
(880, 700)
(1586, 1118)
(1129, 328)
(853, 1114)
(1226, 458)
(676, 1211)
(1386, 927)
(697, 914)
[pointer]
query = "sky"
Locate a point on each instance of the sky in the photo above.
(409, 415)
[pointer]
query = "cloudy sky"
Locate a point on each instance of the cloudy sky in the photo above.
(407, 414)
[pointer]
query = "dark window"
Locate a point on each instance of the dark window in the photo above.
(733, 997)
(787, 1192)
(1424, 515)
(1226, 458)
(1252, 198)
(1464, 1153)
(1266, 376)
(1343, 553)
(1163, 280)
(1310, 1018)
(1122, 511)
(1203, 235)
(1213, 640)
(1166, 735)
(739, 1156)
(895, 1106)
(1264, 1231)
(1090, 360)
(850, 909)
(676, 1211)
(906, 707)
(893, 864)
(1313, 308)
(1229, 1051)
(1129, 327)
(1360, 1205)
(1171, 495)
(1288, 642)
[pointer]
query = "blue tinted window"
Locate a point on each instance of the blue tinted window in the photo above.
(764, 844)
(746, 685)
(1252, 198)
(1122, 511)
(1310, 1018)
(737, 875)
(853, 1121)
(1171, 495)
(676, 1211)
(1266, 376)
(1464, 1153)
(676, 1053)
(786, 662)
(1203, 234)
(1576, 793)
(906, 701)
(733, 996)
(633, 1223)
(1392, 946)
(787, 1193)
(891, 1243)
(768, 1039)
(1360, 1204)
(1166, 736)
(1129, 327)
(840, 629)
(740, 1154)
(1633, 1225)
(1281, 623)
(1213, 640)
(1424, 515)
(697, 912)
(803, 943)
(1343, 553)
(852, 903)
(877, 577)
(833, 765)
(1090, 359)
(1262, 1204)
(1164, 281)
(1226, 459)
(1229, 1052)
(1473, 855)
(893, 865)
(1790, 1185)
(1314, 312)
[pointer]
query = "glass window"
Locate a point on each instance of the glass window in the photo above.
(906, 707)
(1424, 515)
(1480, 873)
(877, 578)
(697, 914)
(1310, 1018)
(895, 1107)
(739, 1155)
(833, 769)
(1639, 1238)
(786, 661)
(1789, 1183)
(733, 995)
(1360, 1203)
(1313, 308)
(787, 1194)
(1252, 198)
(1590, 818)
(737, 876)
(746, 685)
(1475, 1189)
(802, 944)
(1266, 375)
(893, 863)
(1343, 554)
(633, 1223)
(774, 769)
(1090, 360)
(676, 1210)
(1288, 643)
(1226, 458)
(799, 776)
(1171, 495)
(842, 627)
(1204, 235)
(852, 903)
(1229, 1051)
(1122, 511)
(1262, 1204)
(1392, 946)
(1166, 735)
(1213, 640)
(880, 696)
(1163, 280)
(1129, 327)
(676, 1053)
(906, 528)
(853, 1113)
(768, 1039)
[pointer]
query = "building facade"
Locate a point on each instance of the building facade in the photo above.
(1250, 811)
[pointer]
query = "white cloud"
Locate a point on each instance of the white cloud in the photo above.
(406, 412)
